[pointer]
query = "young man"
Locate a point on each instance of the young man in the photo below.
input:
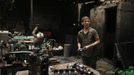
(39, 36)
(87, 40)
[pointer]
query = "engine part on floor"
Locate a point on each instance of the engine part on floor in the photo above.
(64, 72)
(21, 56)
(82, 69)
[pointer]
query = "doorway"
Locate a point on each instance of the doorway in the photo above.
(109, 32)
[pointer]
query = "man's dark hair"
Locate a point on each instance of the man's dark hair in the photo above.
(85, 17)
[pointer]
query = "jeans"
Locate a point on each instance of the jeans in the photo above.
(89, 61)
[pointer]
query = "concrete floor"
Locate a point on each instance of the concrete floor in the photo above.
(104, 66)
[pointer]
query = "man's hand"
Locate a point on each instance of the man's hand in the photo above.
(86, 47)
(82, 49)
(37, 25)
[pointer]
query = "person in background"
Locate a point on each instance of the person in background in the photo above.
(38, 35)
(35, 56)
(87, 40)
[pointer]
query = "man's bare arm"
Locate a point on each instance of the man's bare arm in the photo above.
(34, 31)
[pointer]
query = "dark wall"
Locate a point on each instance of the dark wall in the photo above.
(16, 15)
(125, 22)
(104, 20)
(125, 36)
(56, 16)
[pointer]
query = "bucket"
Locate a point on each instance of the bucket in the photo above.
(67, 48)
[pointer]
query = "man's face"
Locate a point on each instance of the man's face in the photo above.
(86, 23)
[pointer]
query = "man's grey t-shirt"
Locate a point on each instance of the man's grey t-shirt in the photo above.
(86, 39)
